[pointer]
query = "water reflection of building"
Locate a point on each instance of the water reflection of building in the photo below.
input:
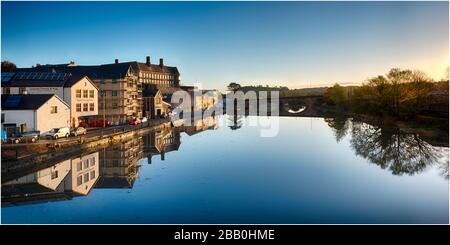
(169, 139)
(115, 166)
(119, 166)
(161, 142)
(201, 125)
(62, 181)
(85, 173)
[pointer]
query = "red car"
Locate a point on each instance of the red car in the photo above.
(134, 121)
(99, 123)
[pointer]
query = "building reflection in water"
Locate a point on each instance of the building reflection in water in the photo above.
(119, 164)
(115, 166)
(62, 181)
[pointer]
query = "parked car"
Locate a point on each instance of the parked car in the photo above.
(58, 133)
(144, 119)
(78, 131)
(30, 136)
(134, 121)
(99, 123)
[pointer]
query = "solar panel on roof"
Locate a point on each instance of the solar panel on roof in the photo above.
(48, 76)
(6, 76)
(13, 101)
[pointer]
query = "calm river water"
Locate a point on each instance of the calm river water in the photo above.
(314, 171)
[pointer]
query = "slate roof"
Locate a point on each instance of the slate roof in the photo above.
(150, 93)
(110, 71)
(138, 66)
(115, 182)
(43, 80)
(24, 102)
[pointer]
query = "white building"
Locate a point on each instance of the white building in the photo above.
(33, 112)
(78, 91)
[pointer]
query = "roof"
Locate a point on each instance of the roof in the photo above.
(115, 182)
(150, 92)
(138, 66)
(42, 78)
(110, 71)
(25, 102)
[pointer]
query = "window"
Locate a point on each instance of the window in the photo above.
(53, 109)
(91, 93)
(79, 166)
(115, 105)
(85, 107)
(92, 174)
(6, 90)
(78, 105)
(92, 162)
(114, 81)
(78, 93)
(102, 81)
(86, 163)
(86, 177)
(103, 93)
(91, 106)
(114, 93)
(79, 180)
(85, 93)
(54, 175)
(22, 90)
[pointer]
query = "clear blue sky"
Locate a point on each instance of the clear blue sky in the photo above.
(297, 44)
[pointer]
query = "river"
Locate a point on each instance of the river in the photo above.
(220, 170)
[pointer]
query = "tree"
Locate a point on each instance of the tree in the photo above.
(8, 66)
(396, 78)
(400, 93)
(234, 87)
(338, 95)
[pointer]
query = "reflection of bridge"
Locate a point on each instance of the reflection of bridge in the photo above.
(315, 106)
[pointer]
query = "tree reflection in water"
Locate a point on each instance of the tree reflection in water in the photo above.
(339, 126)
(391, 148)
(235, 121)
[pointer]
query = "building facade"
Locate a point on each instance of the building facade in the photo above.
(119, 95)
(33, 112)
(153, 104)
(159, 75)
(79, 92)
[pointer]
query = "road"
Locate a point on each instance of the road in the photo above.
(93, 132)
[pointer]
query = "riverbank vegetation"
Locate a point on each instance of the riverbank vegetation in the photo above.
(402, 94)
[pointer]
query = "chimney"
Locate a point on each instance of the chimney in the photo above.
(161, 62)
(147, 60)
(116, 61)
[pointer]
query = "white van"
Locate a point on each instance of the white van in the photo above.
(58, 133)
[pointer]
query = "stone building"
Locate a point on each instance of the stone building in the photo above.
(159, 75)
(120, 92)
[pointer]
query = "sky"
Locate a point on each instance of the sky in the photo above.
(294, 44)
